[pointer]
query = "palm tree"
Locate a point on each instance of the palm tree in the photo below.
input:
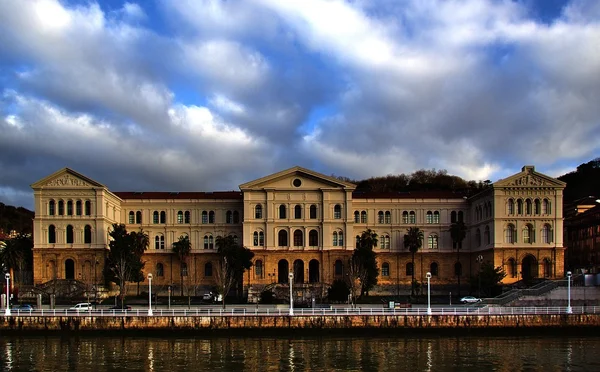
(458, 232)
(413, 240)
(182, 249)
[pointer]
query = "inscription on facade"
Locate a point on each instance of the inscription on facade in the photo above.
(67, 180)
(528, 180)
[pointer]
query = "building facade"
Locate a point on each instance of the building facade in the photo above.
(304, 222)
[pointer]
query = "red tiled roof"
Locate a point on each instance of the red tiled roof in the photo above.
(179, 195)
(409, 195)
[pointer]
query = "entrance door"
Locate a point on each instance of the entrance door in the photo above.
(529, 268)
(69, 269)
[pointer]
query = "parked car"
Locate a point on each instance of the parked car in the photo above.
(470, 300)
(83, 306)
(119, 307)
(23, 307)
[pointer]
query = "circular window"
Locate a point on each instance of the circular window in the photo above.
(297, 182)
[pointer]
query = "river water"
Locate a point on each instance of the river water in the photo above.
(331, 353)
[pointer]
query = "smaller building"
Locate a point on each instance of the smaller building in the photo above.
(582, 226)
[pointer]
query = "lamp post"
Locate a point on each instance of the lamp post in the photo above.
(569, 309)
(291, 276)
(479, 260)
(149, 294)
(428, 276)
(7, 311)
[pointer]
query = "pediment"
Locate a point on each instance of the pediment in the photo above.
(297, 178)
(528, 177)
(66, 178)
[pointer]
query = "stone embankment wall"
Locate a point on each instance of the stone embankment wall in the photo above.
(249, 323)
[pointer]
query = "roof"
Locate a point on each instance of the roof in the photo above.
(125, 195)
(409, 195)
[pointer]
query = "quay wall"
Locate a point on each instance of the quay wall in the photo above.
(284, 322)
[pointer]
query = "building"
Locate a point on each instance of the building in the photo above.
(302, 221)
(582, 226)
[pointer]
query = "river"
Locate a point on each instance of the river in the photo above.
(303, 353)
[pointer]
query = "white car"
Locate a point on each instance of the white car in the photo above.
(84, 306)
(470, 300)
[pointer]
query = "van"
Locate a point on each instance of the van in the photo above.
(84, 306)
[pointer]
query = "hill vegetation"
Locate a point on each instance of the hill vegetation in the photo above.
(583, 182)
(16, 218)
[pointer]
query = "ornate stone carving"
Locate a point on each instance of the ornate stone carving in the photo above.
(528, 180)
(67, 180)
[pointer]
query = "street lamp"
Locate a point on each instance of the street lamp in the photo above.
(479, 260)
(569, 309)
(7, 311)
(428, 276)
(149, 294)
(291, 276)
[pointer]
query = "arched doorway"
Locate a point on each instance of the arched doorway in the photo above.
(313, 271)
(69, 269)
(529, 268)
(298, 272)
(283, 268)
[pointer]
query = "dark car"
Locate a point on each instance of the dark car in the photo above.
(119, 307)
(23, 307)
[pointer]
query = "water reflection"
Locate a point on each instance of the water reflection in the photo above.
(426, 353)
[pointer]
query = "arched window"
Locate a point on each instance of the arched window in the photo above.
(160, 270)
(429, 217)
(547, 268)
(283, 238)
(485, 211)
(510, 207)
(155, 217)
(335, 238)
(453, 217)
(537, 208)
(338, 268)
(340, 238)
(546, 207)
(208, 242)
(204, 217)
(512, 268)
(412, 217)
(298, 241)
(509, 234)
(61, 207)
(528, 206)
(258, 269)
(385, 269)
(282, 211)
(436, 217)
(433, 269)
(380, 217)
(69, 234)
(208, 269)
(546, 234)
(313, 238)
(78, 208)
(87, 234)
(261, 238)
(255, 238)
(131, 217)
(356, 217)
(460, 216)
(70, 208)
(159, 242)
(51, 234)
(51, 207)
(337, 212)
(180, 217)
(298, 212)
(409, 269)
(478, 237)
(211, 217)
(404, 217)
(528, 234)
(458, 269)
(138, 217)
(313, 212)
(88, 208)
(432, 241)
(236, 217)
(228, 217)
(258, 211)
(384, 241)
(363, 217)
(186, 217)
(486, 235)
(163, 217)
(388, 217)
(519, 206)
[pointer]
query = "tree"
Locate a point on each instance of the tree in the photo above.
(338, 292)
(233, 260)
(488, 278)
(458, 233)
(413, 240)
(124, 256)
(362, 266)
(17, 257)
(182, 249)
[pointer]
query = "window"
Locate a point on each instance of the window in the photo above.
(298, 241)
(519, 206)
(528, 206)
(258, 269)
(131, 217)
(412, 217)
(460, 216)
(340, 239)
(356, 217)
(204, 217)
(357, 241)
(208, 242)
(258, 211)
(236, 217)
(298, 212)
(409, 269)
(159, 242)
(388, 217)
(184, 269)
(510, 207)
(432, 241)
(486, 235)
(160, 269)
(436, 217)
(313, 238)
(433, 269)
(537, 206)
(211, 217)
(61, 207)
(282, 211)
(339, 267)
(384, 241)
(337, 212)
(228, 217)
(335, 238)
(546, 234)
(155, 217)
(405, 217)
(236, 240)
(51, 206)
(380, 217)
(490, 210)
(453, 217)
(385, 269)
(87, 234)
(88, 208)
(512, 268)
(78, 208)
(363, 217)
(429, 218)
(208, 269)
(180, 217)
(509, 234)
(255, 238)
(69, 234)
(313, 212)
(138, 217)
(546, 207)
(51, 234)
(283, 238)
(478, 237)
(163, 217)
(528, 234)
(485, 211)
(70, 208)
(186, 217)
(261, 238)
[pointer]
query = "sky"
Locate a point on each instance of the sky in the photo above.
(204, 95)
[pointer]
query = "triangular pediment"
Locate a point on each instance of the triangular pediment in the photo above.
(297, 178)
(66, 178)
(528, 177)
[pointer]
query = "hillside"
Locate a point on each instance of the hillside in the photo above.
(583, 182)
(15, 218)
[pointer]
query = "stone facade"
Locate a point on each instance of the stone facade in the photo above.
(301, 221)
